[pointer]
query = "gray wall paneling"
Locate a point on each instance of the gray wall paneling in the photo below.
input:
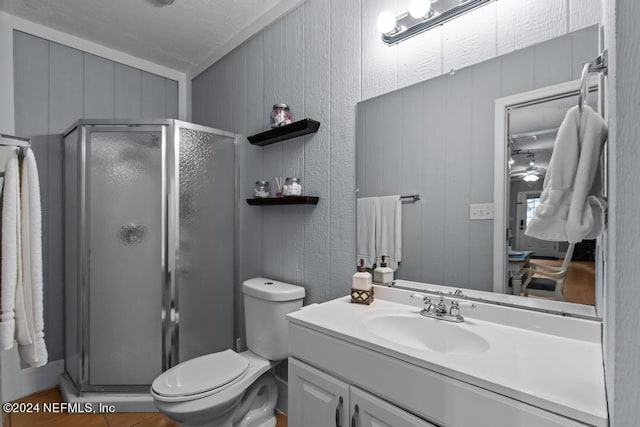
(445, 128)
(323, 77)
(54, 86)
(128, 90)
(99, 87)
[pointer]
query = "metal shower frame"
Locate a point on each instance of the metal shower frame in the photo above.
(169, 313)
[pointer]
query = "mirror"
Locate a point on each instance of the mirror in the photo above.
(438, 139)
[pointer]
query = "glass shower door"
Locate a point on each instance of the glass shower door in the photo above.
(205, 208)
(124, 260)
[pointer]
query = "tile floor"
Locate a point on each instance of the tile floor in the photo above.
(143, 419)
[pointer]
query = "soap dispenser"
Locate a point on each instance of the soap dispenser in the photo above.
(383, 274)
(362, 279)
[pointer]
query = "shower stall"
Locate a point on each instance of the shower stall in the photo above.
(149, 247)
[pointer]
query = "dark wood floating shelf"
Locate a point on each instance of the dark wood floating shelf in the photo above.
(297, 200)
(282, 133)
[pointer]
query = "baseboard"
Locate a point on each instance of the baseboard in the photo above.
(18, 382)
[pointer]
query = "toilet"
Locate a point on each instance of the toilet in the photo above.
(229, 389)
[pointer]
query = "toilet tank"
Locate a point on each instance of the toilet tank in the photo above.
(266, 304)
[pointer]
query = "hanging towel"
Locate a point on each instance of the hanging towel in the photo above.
(572, 207)
(389, 230)
(379, 230)
(11, 298)
(34, 351)
(366, 231)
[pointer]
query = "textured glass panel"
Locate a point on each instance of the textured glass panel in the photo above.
(125, 196)
(205, 269)
(71, 249)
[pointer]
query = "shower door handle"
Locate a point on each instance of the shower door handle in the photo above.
(132, 234)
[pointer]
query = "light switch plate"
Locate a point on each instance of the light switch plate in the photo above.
(480, 211)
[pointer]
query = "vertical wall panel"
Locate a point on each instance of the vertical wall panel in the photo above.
(583, 13)
(99, 87)
(171, 99)
(251, 259)
(486, 89)
(65, 106)
(292, 219)
(553, 61)
(128, 91)
(153, 96)
(412, 113)
(584, 47)
(457, 172)
(239, 117)
(517, 72)
(433, 183)
(522, 24)
(273, 228)
(461, 47)
(345, 93)
(420, 58)
(31, 65)
(317, 152)
(66, 74)
(203, 99)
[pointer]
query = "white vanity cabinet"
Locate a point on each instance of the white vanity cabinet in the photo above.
(324, 369)
(317, 399)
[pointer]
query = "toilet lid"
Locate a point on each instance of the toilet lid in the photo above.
(201, 374)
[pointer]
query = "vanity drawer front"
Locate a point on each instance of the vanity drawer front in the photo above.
(374, 412)
(438, 398)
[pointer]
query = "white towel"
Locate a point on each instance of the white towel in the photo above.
(572, 207)
(379, 230)
(33, 352)
(11, 275)
(366, 231)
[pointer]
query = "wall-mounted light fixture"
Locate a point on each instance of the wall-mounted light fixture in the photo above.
(422, 15)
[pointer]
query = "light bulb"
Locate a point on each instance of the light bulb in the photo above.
(531, 177)
(386, 22)
(532, 163)
(511, 161)
(419, 8)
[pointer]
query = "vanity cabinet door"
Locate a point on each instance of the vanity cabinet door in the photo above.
(369, 411)
(315, 398)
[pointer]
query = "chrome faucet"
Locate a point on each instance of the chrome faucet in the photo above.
(440, 310)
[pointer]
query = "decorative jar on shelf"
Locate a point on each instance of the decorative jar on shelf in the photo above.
(292, 187)
(280, 116)
(261, 190)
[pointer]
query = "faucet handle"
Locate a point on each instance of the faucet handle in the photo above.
(426, 299)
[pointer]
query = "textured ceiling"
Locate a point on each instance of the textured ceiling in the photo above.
(181, 36)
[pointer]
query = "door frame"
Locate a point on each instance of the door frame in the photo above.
(501, 157)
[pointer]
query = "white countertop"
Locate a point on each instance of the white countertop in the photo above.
(532, 364)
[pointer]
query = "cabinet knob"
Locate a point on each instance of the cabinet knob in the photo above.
(354, 417)
(339, 412)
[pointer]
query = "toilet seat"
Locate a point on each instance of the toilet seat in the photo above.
(200, 377)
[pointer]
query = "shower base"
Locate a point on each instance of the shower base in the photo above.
(122, 402)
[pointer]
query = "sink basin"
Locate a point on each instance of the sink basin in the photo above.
(410, 329)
